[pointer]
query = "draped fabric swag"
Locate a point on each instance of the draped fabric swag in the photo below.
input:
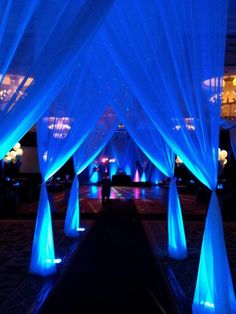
(155, 148)
(88, 151)
(159, 64)
(32, 81)
(173, 62)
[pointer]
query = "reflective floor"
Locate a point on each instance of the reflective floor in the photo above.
(125, 192)
(19, 289)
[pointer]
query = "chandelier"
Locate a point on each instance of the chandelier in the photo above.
(228, 98)
(59, 126)
(9, 86)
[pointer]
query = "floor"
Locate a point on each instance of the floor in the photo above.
(21, 292)
(114, 271)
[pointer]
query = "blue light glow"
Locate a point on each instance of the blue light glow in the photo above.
(43, 246)
(207, 304)
(177, 247)
(72, 220)
(214, 291)
(113, 169)
(128, 170)
(143, 177)
(81, 229)
(55, 261)
(93, 189)
(94, 177)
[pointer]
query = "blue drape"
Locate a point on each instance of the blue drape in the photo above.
(146, 165)
(91, 147)
(64, 127)
(166, 63)
(214, 293)
(173, 61)
(122, 148)
(42, 53)
(155, 148)
(42, 256)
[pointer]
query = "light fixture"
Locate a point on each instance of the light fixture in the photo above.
(60, 126)
(81, 229)
(14, 154)
(178, 161)
(9, 86)
(228, 98)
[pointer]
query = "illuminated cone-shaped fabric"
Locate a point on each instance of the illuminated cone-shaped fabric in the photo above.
(176, 236)
(214, 290)
(143, 178)
(94, 177)
(136, 176)
(42, 258)
(72, 221)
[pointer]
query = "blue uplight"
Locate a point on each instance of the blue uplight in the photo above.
(113, 169)
(128, 170)
(93, 189)
(177, 246)
(80, 229)
(214, 292)
(207, 304)
(54, 261)
(143, 177)
(43, 246)
(72, 221)
(94, 177)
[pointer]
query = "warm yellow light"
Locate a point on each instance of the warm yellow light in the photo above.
(234, 81)
(17, 146)
(6, 80)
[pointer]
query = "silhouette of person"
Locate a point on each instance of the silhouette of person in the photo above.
(106, 188)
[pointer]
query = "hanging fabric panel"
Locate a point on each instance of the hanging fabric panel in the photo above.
(43, 256)
(91, 147)
(32, 78)
(166, 63)
(173, 62)
(148, 138)
(67, 123)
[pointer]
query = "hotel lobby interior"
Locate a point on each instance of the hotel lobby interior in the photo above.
(141, 92)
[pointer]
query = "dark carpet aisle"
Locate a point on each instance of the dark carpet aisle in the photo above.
(114, 271)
